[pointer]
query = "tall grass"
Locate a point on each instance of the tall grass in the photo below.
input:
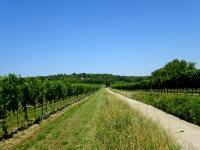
(121, 127)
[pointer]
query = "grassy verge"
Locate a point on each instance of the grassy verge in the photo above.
(184, 106)
(99, 122)
(121, 127)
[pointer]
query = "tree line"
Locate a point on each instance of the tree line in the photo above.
(17, 93)
(175, 75)
(95, 78)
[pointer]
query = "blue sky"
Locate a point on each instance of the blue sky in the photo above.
(126, 37)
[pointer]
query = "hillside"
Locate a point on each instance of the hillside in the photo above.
(95, 78)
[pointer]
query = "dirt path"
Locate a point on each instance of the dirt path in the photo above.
(187, 134)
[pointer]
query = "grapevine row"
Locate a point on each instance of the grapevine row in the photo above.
(174, 76)
(19, 95)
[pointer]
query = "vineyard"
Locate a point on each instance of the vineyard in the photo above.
(98, 118)
(184, 106)
(175, 88)
(101, 121)
(25, 101)
(176, 76)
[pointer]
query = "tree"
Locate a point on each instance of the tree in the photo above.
(174, 75)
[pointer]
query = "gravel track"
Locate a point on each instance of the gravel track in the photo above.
(187, 134)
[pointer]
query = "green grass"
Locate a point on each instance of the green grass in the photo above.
(49, 108)
(69, 131)
(99, 122)
(184, 106)
(121, 127)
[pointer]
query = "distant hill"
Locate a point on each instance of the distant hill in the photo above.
(95, 78)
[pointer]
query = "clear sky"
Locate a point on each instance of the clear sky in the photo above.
(126, 37)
